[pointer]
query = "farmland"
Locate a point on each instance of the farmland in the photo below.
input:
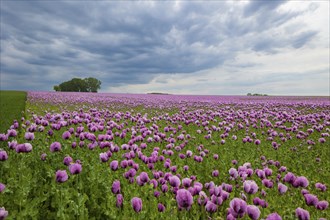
(125, 156)
(12, 104)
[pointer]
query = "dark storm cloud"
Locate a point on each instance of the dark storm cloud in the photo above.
(122, 43)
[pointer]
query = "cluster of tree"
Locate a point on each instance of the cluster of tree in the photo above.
(256, 94)
(79, 85)
(157, 93)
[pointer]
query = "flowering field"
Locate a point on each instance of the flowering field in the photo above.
(119, 156)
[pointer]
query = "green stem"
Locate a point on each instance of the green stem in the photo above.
(61, 200)
(20, 183)
(1, 200)
(78, 189)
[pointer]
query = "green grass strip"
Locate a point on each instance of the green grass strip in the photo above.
(12, 106)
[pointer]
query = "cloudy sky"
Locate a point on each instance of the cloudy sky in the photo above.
(178, 47)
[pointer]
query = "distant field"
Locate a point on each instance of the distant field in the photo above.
(12, 103)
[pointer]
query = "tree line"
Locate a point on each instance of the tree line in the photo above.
(256, 94)
(89, 84)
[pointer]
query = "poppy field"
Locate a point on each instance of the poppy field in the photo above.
(125, 156)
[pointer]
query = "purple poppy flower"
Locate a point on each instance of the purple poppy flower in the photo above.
(311, 199)
(43, 156)
(136, 166)
(173, 169)
(321, 187)
(154, 183)
(29, 136)
(164, 188)
(123, 164)
(227, 187)
(238, 207)
(24, 148)
(61, 176)
(185, 168)
(74, 144)
(261, 174)
(144, 178)
(75, 168)
(217, 200)
(230, 216)
(114, 165)
(67, 160)
(268, 172)
(138, 180)
(66, 135)
(115, 187)
(274, 216)
(243, 196)
(12, 133)
(215, 190)
(3, 155)
(322, 140)
(186, 182)
(233, 173)
(250, 187)
(215, 173)
(130, 162)
(263, 204)
(211, 207)
(55, 146)
(267, 183)
(151, 166)
(300, 181)
(304, 191)
(260, 202)
(12, 144)
(120, 200)
(174, 181)
(136, 204)
(182, 156)
(131, 172)
(322, 205)
(50, 132)
(3, 213)
(2, 187)
(202, 199)
(289, 177)
(302, 214)
(253, 212)
(161, 207)
(184, 199)
(3, 137)
(104, 157)
(282, 169)
(156, 194)
(282, 188)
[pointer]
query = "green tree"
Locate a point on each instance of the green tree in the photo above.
(92, 84)
(57, 88)
(79, 85)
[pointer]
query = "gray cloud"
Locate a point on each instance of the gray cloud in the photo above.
(261, 6)
(131, 42)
